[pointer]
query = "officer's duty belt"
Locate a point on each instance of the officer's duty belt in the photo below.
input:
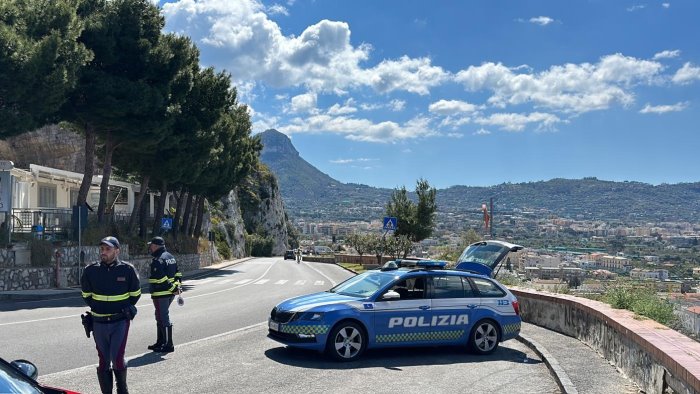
(109, 319)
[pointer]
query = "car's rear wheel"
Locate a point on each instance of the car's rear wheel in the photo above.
(346, 342)
(484, 337)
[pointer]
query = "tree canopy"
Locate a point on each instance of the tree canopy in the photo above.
(414, 220)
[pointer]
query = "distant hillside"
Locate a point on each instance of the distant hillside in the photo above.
(309, 193)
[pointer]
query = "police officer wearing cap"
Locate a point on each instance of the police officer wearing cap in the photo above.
(164, 283)
(110, 287)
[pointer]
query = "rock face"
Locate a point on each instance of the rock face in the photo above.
(233, 227)
(49, 146)
(262, 208)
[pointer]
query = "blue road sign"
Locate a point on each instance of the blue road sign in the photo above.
(389, 223)
(166, 223)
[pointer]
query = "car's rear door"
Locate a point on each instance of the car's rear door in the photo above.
(453, 305)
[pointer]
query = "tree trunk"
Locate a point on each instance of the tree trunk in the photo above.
(90, 138)
(106, 173)
(143, 215)
(138, 202)
(160, 207)
(188, 213)
(200, 217)
(178, 211)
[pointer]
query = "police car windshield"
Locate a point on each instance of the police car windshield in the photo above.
(363, 285)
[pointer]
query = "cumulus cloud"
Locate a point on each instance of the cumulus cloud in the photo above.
(361, 129)
(344, 109)
(570, 88)
(239, 36)
(451, 107)
(686, 74)
(518, 122)
(482, 131)
(667, 54)
(662, 109)
(304, 102)
(397, 105)
(541, 20)
(277, 9)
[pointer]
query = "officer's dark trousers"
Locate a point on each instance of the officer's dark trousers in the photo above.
(162, 307)
(110, 340)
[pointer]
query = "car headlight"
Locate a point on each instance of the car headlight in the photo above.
(311, 316)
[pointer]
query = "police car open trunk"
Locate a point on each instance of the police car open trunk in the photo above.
(483, 257)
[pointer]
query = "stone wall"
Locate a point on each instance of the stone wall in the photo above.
(638, 347)
(36, 278)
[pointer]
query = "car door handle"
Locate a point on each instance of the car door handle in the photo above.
(424, 307)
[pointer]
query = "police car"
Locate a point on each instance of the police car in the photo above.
(399, 305)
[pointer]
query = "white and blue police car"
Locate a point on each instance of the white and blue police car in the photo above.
(422, 304)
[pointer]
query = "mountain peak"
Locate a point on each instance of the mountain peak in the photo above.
(275, 142)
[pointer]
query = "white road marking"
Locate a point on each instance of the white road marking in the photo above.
(299, 282)
(319, 283)
(88, 367)
(262, 281)
(281, 281)
(242, 282)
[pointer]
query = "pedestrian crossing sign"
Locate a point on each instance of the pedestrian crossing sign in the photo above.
(166, 223)
(389, 223)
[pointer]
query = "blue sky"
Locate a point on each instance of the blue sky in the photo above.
(473, 93)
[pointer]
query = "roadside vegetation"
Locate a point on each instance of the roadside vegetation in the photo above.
(642, 301)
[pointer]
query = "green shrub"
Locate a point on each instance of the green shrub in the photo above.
(258, 245)
(221, 243)
(42, 251)
(644, 302)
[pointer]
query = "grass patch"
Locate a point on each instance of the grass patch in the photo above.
(644, 302)
(358, 268)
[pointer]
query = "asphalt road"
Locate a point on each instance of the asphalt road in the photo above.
(221, 345)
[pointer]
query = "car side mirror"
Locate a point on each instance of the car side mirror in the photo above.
(26, 368)
(391, 295)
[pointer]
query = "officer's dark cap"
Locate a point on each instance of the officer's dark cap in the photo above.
(112, 242)
(159, 241)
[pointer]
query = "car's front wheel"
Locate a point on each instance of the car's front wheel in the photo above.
(346, 342)
(484, 337)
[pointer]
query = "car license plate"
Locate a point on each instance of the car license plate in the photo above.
(273, 325)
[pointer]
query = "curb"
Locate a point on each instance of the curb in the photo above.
(561, 377)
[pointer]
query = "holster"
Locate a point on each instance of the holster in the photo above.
(86, 319)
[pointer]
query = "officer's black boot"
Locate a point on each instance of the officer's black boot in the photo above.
(160, 341)
(120, 377)
(105, 379)
(168, 346)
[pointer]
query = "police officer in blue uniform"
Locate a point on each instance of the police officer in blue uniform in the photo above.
(110, 287)
(164, 283)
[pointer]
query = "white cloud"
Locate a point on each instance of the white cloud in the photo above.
(455, 135)
(348, 161)
(662, 109)
(667, 54)
(636, 7)
(570, 88)
(541, 20)
(518, 122)
(397, 105)
(452, 107)
(454, 122)
(482, 131)
(239, 36)
(686, 74)
(411, 75)
(361, 129)
(277, 9)
(346, 108)
(304, 102)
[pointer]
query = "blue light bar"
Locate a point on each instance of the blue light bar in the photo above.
(431, 264)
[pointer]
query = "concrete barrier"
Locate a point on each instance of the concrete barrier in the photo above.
(654, 356)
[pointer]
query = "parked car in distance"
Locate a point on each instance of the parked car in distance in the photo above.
(289, 255)
(19, 376)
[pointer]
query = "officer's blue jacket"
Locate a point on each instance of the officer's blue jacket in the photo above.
(108, 289)
(165, 278)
